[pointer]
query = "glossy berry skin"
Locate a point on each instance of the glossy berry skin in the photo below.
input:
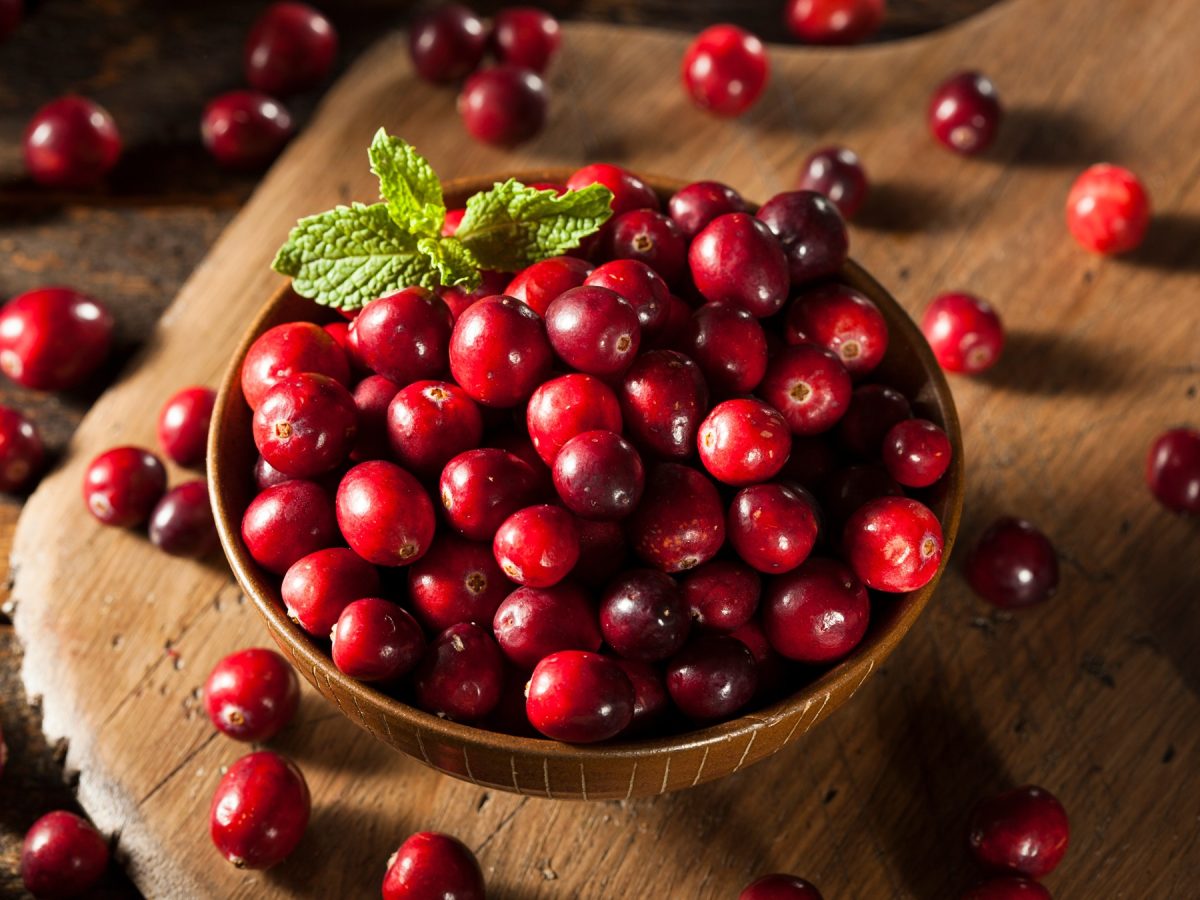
(1108, 209)
(817, 613)
(599, 475)
(405, 336)
(290, 48)
(712, 678)
(843, 321)
(122, 485)
(259, 811)
(641, 286)
(649, 237)
(772, 527)
(1023, 831)
(594, 330)
(431, 422)
(643, 615)
(499, 352)
(245, 129)
(481, 488)
(811, 231)
(964, 332)
(181, 523)
(251, 695)
(532, 623)
(874, 409)
(1007, 888)
(183, 425)
(916, 452)
(680, 522)
(650, 698)
(729, 346)
(305, 425)
(62, 855)
(461, 674)
(456, 581)
(722, 595)
(1173, 470)
(504, 105)
(809, 387)
(385, 514)
(725, 70)
(447, 44)
(568, 406)
(372, 397)
(893, 544)
(579, 697)
(537, 546)
(836, 173)
(743, 441)
(663, 400)
(290, 349)
(738, 259)
(433, 866)
(526, 37)
(965, 112)
(695, 205)
(779, 886)
(317, 587)
(22, 452)
(538, 285)
(833, 22)
(286, 523)
(1013, 565)
(52, 339)
(71, 142)
(376, 640)
(629, 191)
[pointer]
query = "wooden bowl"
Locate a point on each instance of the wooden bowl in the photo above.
(547, 768)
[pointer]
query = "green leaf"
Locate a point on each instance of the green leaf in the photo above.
(408, 185)
(452, 261)
(512, 226)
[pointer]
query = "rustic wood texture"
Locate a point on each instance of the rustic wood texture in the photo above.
(1093, 696)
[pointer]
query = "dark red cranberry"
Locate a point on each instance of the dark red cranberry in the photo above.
(459, 298)
(286, 523)
(568, 406)
(431, 422)
(538, 285)
(1023, 831)
(62, 856)
(743, 441)
(729, 346)
(1108, 209)
(650, 237)
(579, 697)
(376, 640)
(183, 425)
(10, 17)
(916, 452)
(650, 698)
(964, 332)
(515, 440)
(643, 615)
(372, 397)
(447, 43)
(71, 142)
(252, 695)
(680, 522)
(738, 259)
(712, 678)
(384, 514)
(456, 581)
(481, 488)
(122, 485)
(811, 231)
(433, 866)
(461, 674)
(602, 551)
(182, 521)
(694, 206)
(499, 352)
(1173, 470)
(532, 623)
(22, 452)
(964, 113)
(725, 70)
(526, 37)
(893, 544)
(245, 129)
(779, 887)
(836, 173)
(772, 527)
(771, 668)
(854, 486)
(1007, 888)
(663, 399)
(266, 475)
(291, 48)
(812, 461)
(52, 339)
(722, 595)
(594, 330)
(817, 613)
(405, 336)
(641, 286)
(598, 475)
(629, 191)
(318, 586)
(305, 425)
(504, 105)
(809, 386)
(259, 811)
(291, 349)
(842, 320)
(1013, 565)
(832, 22)
(874, 409)
(538, 545)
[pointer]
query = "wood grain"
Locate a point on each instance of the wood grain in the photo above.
(1093, 696)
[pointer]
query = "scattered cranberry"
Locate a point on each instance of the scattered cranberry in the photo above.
(1173, 470)
(712, 678)
(183, 425)
(916, 452)
(121, 486)
(305, 425)
(62, 856)
(291, 48)
(1013, 565)
(372, 397)
(317, 587)
(641, 286)
(894, 544)
(663, 399)
(22, 453)
(964, 113)
(643, 615)
(874, 409)
(779, 886)
(722, 595)
(456, 581)
(568, 406)
(594, 330)
(629, 191)
(481, 488)
(499, 352)
(842, 320)
(579, 697)
(538, 285)
(809, 386)
(729, 345)
(1007, 888)
(504, 105)
(181, 523)
(598, 475)
(405, 336)
(737, 258)
(526, 37)
(817, 613)
(259, 811)
(537, 546)
(291, 349)
(433, 866)
(836, 173)
(245, 129)
(650, 237)
(694, 206)
(603, 550)
(71, 142)
(376, 640)
(251, 695)
(447, 44)
(461, 674)
(743, 441)
(1023, 831)
(532, 623)
(680, 522)
(964, 333)
(384, 514)
(1108, 209)
(725, 70)
(849, 489)
(431, 422)
(811, 231)
(286, 523)
(52, 339)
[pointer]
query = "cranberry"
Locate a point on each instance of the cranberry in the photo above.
(809, 386)
(836, 173)
(964, 333)
(461, 675)
(725, 70)
(850, 488)
(743, 441)
(432, 866)
(812, 460)
(121, 486)
(568, 406)
(1108, 209)
(964, 113)
(62, 856)
(52, 339)
(629, 191)
(384, 514)
(729, 346)
(641, 286)
(812, 233)
(447, 44)
(481, 488)
(259, 811)
(538, 545)
(525, 37)
(712, 678)
(779, 887)
(874, 409)
(832, 22)
(457, 581)
(183, 425)
(772, 527)
(695, 205)
(663, 399)
(842, 320)
(643, 615)
(722, 595)
(598, 475)
(538, 285)
(305, 425)
(532, 623)
(504, 105)
(372, 397)
(286, 523)
(182, 521)
(1013, 565)
(376, 640)
(594, 330)
(650, 698)
(579, 697)
(340, 332)
(770, 667)
(649, 237)
(71, 142)
(266, 475)
(245, 129)
(602, 551)
(317, 587)
(1023, 831)
(251, 695)
(458, 298)
(431, 422)
(1007, 888)
(893, 544)
(817, 613)
(291, 349)
(680, 522)
(736, 258)
(291, 48)
(1173, 470)
(22, 453)
(405, 336)
(10, 17)
(916, 452)
(499, 352)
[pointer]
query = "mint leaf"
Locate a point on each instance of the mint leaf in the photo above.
(513, 226)
(408, 185)
(452, 262)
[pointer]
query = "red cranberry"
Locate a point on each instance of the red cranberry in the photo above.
(598, 475)
(305, 425)
(532, 623)
(461, 675)
(1023, 831)
(432, 866)
(10, 17)
(459, 298)
(779, 887)
(641, 286)
(743, 441)
(259, 811)
(568, 406)
(525, 37)
(602, 551)
(809, 386)
(729, 346)
(811, 231)
(251, 695)
(71, 142)
(481, 488)
(405, 336)
(538, 285)
(722, 595)
(537, 546)
(651, 238)
(964, 333)
(712, 678)
(183, 425)
(850, 488)
(832, 22)
(694, 206)
(725, 70)
(737, 258)
(291, 349)
(62, 856)
(1007, 888)
(650, 698)
(874, 409)
(643, 615)
(372, 397)
(817, 613)
(376, 640)
(384, 514)
(842, 320)
(457, 581)
(182, 521)
(629, 191)
(504, 105)
(22, 453)
(836, 173)
(291, 48)
(964, 113)
(52, 339)
(663, 399)
(594, 330)
(1108, 209)
(680, 522)
(1013, 565)
(1173, 470)
(499, 352)
(287, 522)
(121, 486)
(893, 544)
(579, 697)
(318, 586)
(772, 527)
(340, 332)
(447, 44)
(916, 452)
(245, 129)
(431, 422)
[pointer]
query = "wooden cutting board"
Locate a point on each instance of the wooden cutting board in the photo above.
(1093, 696)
